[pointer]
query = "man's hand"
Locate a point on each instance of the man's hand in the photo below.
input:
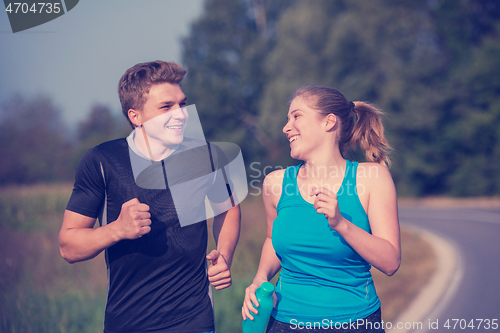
(134, 220)
(219, 274)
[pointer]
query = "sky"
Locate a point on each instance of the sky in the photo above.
(78, 58)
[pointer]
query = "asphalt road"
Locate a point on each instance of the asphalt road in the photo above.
(472, 301)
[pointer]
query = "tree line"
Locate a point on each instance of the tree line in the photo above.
(432, 66)
(36, 145)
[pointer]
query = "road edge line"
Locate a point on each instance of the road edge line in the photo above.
(436, 294)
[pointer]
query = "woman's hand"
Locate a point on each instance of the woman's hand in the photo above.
(326, 203)
(380, 246)
(247, 302)
(249, 298)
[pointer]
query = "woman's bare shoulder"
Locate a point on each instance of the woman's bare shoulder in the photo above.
(271, 188)
(372, 171)
(374, 176)
(275, 176)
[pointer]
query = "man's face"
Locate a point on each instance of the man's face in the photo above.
(164, 115)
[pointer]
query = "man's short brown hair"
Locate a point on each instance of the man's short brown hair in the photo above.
(134, 85)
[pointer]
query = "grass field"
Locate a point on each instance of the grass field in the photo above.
(40, 292)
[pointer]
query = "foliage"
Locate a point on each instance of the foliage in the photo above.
(34, 143)
(32, 312)
(39, 290)
(28, 208)
(224, 54)
(101, 125)
(37, 146)
(412, 68)
(432, 66)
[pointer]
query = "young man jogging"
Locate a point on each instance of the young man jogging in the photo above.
(157, 269)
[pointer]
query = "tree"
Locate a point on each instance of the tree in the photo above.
(33, 141)
(224, 55)
(100, 125)
(475, 164)
(404, 57)
(430, 65)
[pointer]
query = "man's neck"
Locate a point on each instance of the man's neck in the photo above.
(153, 150)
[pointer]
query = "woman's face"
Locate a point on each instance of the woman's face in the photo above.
(303, 129)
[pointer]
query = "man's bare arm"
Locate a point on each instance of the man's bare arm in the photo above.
(226, 233)
(79, 241)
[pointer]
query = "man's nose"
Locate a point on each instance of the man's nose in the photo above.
(180, 112)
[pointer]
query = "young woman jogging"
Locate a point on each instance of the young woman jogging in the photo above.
(328, 219)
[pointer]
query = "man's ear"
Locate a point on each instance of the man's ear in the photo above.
(331, 121)
(135, 117)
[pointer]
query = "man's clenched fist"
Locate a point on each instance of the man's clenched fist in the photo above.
(134, 220)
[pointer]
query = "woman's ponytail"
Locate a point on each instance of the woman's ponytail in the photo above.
(368, 133)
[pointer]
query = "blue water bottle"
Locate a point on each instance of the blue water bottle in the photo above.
(264, 296)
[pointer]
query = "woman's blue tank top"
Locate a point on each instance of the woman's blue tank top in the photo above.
(322, 278)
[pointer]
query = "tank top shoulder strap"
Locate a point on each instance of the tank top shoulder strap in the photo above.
(290, 175)
(350, 172)
(289, 190)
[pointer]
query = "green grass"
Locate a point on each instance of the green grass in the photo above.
(40, 292)
(31, 311)
(32, 208)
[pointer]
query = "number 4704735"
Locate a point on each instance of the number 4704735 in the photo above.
(472, 324)
(35, 8)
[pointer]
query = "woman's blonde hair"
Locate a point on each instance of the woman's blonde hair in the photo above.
(360, 122)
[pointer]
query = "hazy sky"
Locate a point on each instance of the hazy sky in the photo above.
(78, 58)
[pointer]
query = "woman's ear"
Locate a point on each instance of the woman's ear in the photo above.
(135, 117)
(331, 121)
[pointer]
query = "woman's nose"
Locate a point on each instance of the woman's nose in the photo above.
(286, 128)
